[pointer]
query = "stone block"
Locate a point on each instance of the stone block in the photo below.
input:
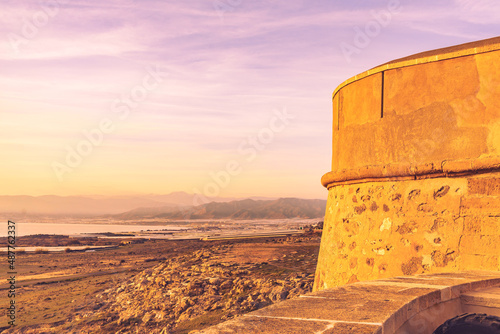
(480, 245)
(346, 328)
(484, 186)
(481, 206)
(361, 103)
(264, 325)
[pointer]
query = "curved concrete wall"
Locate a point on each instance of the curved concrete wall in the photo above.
(415, 182)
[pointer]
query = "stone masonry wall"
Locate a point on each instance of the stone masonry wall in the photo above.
(384, 229)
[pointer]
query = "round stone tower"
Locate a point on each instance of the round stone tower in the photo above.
(415, 180)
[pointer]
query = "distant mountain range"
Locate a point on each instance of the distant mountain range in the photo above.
(71, 205)
(177, 205)
(243, 209)
(96, 205)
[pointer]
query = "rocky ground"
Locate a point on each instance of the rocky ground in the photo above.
(195, 289)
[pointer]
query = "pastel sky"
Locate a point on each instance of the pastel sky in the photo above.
(224, 97)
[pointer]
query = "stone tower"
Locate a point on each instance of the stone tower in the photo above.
(415, 180)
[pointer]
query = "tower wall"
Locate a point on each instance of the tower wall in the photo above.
(415, 180)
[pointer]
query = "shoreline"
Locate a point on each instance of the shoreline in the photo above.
(59, 291)
(172, 230)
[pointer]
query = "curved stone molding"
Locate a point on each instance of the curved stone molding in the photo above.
(448, 168)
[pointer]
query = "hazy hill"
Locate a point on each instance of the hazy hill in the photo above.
(243, 209)
(98, 205)
(70, 205)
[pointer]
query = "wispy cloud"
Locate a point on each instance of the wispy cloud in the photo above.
(227, 72)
